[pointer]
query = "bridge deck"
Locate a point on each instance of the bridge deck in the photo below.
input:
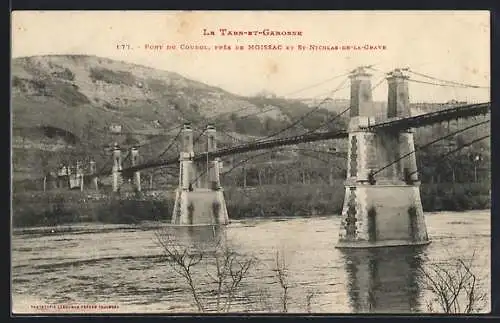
(422, 120)
(427, 119)
(251, 146)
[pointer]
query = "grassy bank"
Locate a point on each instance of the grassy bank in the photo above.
(53, 208)
(455, 196)
(285, 200)
(58, 207)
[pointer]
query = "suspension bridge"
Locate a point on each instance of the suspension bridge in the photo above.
(382, 204)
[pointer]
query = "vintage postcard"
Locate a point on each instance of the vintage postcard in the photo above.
(250, 162)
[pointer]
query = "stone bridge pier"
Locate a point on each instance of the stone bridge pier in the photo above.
(116, 175)
(199, 199)
(382, 204)
(117, 178)
(136, 176)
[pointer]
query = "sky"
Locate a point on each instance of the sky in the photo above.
(450, 45)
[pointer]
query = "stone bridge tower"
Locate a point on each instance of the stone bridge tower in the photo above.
(93, 173)
(136, 176)
(382, 204)
(199, 199)
(116, 175)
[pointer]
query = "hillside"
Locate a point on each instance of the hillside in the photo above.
(107, 91)
(64, 108)
(70, 102)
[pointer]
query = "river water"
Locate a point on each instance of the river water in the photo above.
(121, 268)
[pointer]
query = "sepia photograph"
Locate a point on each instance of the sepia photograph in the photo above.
(333, 162)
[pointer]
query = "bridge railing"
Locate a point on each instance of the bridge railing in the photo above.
(434, 117)
(397, 124)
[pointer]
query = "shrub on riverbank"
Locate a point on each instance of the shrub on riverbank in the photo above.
(306, 200)
(285, 200)
(43, 210)
(133, 211)
(62, 207)
(59, 207)
(455, 196)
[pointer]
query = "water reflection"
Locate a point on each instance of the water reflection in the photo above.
(203, 237)
(130, 270)
(383, 279)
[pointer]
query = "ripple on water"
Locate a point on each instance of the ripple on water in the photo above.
(126, 267)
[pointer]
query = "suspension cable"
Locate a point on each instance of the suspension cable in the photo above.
(295, 122)
(248, 107)
(198, 137)
(430, 143)
(441, 84)
(157, 138)
(340, 87)
(300, 150)
(172, 142)
(262, 111)
(459, 148)
(240, 162)
(330, 120)
(231, 136)
(229, 112)
(344, 111)
(126, 157)
(274, 150)
(306, 114)
(431, 83)
(317, 84)
(341, 113)
(255, 113)
(101, 170)
(382, 79)
(450, 82)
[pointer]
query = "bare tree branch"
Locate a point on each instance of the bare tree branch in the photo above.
(454, 287)
(281, 274)
(225, 268)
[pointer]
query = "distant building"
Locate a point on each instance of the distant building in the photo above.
(115, 128)
(70, 177)
(63, 171)
(266, 94)
(456, 102)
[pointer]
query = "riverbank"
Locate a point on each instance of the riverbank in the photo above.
(59, 207)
